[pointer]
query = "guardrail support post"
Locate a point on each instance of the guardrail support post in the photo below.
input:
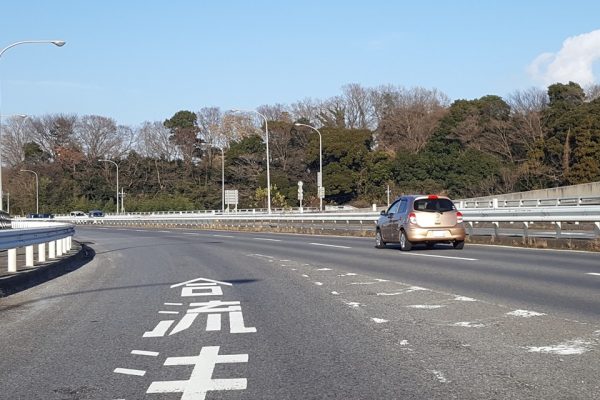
(12, 260)
(558, 227)
(59, 249)
(496, 229)
(42, 252)
(29, 256)
(525, 230)
(494, 203)
(52, 249)
(470, 228)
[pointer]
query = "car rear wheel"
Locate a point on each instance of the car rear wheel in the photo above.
(458, 244)
(405, 244)
(379, 243)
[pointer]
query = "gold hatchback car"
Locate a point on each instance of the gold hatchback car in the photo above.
(420, 219)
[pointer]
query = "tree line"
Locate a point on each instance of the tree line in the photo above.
(410, 139)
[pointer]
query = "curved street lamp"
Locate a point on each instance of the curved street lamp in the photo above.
(116, 165)
(319, 182)
(37, 190)
(58, 43)
(267, 143)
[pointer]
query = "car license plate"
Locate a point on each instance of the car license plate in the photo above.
(439, 233)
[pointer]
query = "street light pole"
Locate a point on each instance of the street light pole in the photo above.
(23, 116)
(37, 190)
(222, 180)
(319, 184)
(58, 43)
(267, 144)
(116, 165)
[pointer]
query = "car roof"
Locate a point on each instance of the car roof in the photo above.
(417, 196)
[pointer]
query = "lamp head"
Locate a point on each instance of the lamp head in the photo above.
(59, 43)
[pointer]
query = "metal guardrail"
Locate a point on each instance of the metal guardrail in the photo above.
(27, 233)
(523, 203)
(556, 216)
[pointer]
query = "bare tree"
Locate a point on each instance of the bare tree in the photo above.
(276, 112)
(333, 113)
(98, 137)
(410, 118)
(235, 127)
(383, 99)
(16, 132)
(53, 132)
(153, 141)
(526, 108)
(359, 109)
(307, 110)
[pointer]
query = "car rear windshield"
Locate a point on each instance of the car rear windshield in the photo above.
(434, 205)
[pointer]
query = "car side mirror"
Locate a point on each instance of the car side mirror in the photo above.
(382, 212)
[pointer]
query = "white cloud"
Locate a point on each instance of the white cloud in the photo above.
(573, 62)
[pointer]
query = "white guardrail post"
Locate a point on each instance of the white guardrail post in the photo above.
(26, 234)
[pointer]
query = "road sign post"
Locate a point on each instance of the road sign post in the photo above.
(231, 198)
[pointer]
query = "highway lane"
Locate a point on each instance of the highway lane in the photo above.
(347, 322)
(557, 281)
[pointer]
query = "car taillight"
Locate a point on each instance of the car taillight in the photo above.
(412, 218)
(459, 217)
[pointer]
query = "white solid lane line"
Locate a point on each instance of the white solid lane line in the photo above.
(437, 256)
(330, 245)
(267, 239)
(593, 273)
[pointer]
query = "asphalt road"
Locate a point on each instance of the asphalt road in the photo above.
(181, 314)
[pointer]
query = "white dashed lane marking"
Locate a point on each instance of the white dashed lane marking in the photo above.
(127, 371)
(438, 256)
(379, 320)
(145, 353)
(267, 239)
(224, 236)
(330, 245)
(525, 313)
(593, 273)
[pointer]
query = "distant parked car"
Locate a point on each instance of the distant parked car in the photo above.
(40, 216)
(420, 219)
(96, 213)
(77, 214)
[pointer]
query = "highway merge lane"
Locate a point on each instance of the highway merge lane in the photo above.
(186, 314)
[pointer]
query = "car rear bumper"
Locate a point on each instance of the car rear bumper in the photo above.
(418, 234)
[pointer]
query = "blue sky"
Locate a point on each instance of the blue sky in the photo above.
(140, 61)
